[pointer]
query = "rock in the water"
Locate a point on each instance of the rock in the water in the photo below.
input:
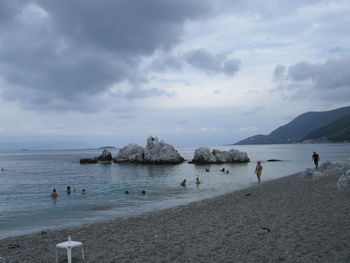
(156, 152)
(203, 155)
(86, 160)
(106, 156)
(130, 153)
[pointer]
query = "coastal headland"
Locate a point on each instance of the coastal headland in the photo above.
(291, 219)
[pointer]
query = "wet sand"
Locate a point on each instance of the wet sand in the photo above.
(291, 219)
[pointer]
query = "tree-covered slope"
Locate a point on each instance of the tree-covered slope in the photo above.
(337, 131)
(298, 128)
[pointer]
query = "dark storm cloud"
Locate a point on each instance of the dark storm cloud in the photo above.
(212, 63)
(332, 74)
(167, 62)
(64, 51)
(199, 59)
(328, 80)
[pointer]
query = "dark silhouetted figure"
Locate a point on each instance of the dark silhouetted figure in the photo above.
(316, 159)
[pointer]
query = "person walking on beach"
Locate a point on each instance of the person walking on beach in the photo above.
(258, 170)
(315, 158)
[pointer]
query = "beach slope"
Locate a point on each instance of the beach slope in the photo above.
(291, 219)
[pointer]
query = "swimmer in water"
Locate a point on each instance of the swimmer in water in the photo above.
(68, 191)
(54, 193)
(197, 181)
(183, 183)
(83, 192)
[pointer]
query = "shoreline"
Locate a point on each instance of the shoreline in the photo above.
(288, 219)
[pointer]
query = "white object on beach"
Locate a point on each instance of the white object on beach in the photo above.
(68, 245)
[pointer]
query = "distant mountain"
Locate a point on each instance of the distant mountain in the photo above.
(337, 131)
(297, 129)
(43, 145)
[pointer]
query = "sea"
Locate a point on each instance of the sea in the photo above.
(28, 178)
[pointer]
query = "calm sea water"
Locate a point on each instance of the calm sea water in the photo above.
(29, 177)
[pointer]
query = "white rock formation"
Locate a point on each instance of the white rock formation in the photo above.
(344, 181)
(130, 153)
(160, 152)
(327, 168)
(203, 155)
(156, 152)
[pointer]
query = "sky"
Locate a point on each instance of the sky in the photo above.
(89, 73)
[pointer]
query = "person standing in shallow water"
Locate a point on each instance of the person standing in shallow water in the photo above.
(316, 159)
(54, 193)
(258, 170)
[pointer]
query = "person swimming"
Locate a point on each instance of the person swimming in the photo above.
(222, 170)
(54, 193)
(183, 183)
(68, 190)
(143, 192)
(197, 181)
(83, 192)
(126, 192)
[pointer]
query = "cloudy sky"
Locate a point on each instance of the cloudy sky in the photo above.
(191, 72)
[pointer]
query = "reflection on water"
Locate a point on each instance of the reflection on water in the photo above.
(29, 177)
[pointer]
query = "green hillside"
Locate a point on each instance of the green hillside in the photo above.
(301, 126)
(337, 131)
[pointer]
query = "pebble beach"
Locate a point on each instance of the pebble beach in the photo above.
(291, 219)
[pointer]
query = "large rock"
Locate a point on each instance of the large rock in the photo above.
(344, 181)
(130, 153)
(203, 155)
(106, 156)
(156, 152)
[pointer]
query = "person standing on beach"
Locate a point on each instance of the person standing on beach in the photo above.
(258, 170)
(315, 158)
